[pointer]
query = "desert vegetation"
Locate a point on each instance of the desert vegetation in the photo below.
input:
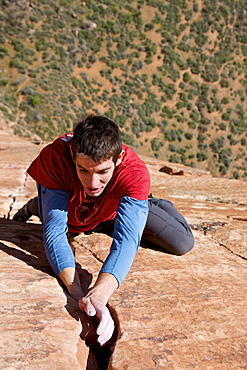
(172, 74)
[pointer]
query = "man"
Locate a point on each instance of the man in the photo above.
(89, 182)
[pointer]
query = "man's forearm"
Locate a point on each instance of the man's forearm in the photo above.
(53, 209)
(70, 279)
(129, 224)
(104, 287)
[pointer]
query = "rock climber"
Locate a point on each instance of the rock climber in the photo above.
(88, 181)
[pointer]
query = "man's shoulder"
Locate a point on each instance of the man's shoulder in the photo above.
(59, 145)
(131, 159)
(131, 176)
(54, 167)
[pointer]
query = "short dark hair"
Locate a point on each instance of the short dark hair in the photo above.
(97, 137)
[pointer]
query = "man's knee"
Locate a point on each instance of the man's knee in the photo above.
(181, 251)
(185, 246)
(177, 246)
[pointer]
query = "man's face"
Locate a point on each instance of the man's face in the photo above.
(94, 176)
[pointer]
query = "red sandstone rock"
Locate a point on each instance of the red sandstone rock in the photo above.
(173, 312)
(173, 168)
(172, 171)
(181, 170)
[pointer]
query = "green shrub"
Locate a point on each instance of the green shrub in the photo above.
(186, 77)
(4, 82)
(120, 120)
(180, 105)
(174, 158)
(243, 141)
(225, 101)
(201, 156)
(155, 144)
(195, 115)
(199, 27)
(222, 126)
(17, 63)
(224, 83)
(18, 45)
(106, 73)
(217, 144)
(201, 40)
(236, 175)
(173, 135)
(205, 121)
(3, 52)
(192, 124)
(148, 27)
(128, 139)
(41, 44)
(201, 138)
(242, 37)
(202, 146)
(139, 64)
(33, 116)
(189, 135)
(244, 50)
(34, 100)
(225, 156)
(226, 116)
(223, 169)
(172, 148)
(210, 73)
(232, 139)
(194, 66)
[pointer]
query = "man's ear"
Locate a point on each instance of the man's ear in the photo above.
(120, 158)
(72, 154)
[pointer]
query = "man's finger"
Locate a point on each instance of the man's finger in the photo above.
(86, 305)
(106, 335)
(105, 328)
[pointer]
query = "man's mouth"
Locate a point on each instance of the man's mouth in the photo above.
(93, 190)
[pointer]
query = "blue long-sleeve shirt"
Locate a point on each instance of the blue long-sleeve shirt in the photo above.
(129, 224)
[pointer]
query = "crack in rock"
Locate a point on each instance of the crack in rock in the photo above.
(238, 218)
(103, 355)
(95, 255)
(87, 245)
(14, 196)
(10, 207)
(235, 254)
(207, 226)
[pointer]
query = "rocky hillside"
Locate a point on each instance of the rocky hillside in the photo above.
(171, 73)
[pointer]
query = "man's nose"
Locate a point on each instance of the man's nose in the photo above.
(94, 181)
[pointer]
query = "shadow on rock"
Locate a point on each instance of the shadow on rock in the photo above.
(24, 241)
(99, 357)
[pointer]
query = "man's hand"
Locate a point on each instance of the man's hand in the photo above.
(94, 306)
(94, 303)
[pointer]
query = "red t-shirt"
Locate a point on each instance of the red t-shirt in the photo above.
(55, 169)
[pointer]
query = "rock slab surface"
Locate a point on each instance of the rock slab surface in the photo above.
(172, 312)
